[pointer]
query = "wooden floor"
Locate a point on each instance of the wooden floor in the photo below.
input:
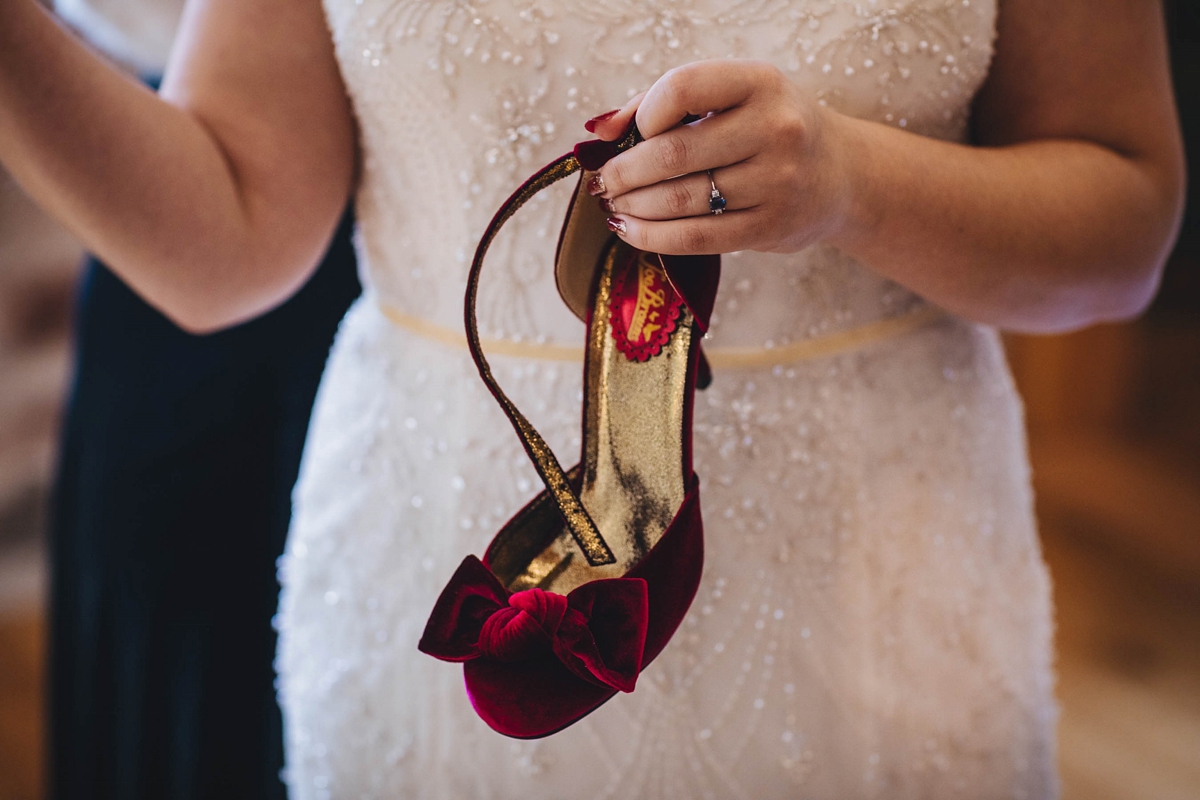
(21, 647)
(1123, 547)
(1121, 532)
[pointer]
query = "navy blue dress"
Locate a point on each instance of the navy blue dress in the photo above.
(171, 507)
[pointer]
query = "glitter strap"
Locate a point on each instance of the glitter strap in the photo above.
(578, 522)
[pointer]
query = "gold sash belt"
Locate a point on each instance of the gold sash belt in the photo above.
(719, 357)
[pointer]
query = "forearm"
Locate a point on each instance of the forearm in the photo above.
(101, 153)
(168, 195)
(1042, 236)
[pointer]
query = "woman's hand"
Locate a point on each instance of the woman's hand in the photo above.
(1061, 215)
(773, 154)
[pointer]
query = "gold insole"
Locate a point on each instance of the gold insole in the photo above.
(633, 480)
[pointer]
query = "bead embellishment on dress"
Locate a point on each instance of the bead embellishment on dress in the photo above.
(572, 53)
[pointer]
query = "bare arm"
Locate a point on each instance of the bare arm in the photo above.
(1067, 213)
(1062, 217)
(213, 201)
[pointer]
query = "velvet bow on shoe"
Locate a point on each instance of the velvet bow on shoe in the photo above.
(598, 631)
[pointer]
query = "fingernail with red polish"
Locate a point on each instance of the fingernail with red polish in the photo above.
(616, 225)
(607, 205)
(595, 185)
(590, 125)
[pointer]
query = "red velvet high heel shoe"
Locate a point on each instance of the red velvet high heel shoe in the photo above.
(585, 585)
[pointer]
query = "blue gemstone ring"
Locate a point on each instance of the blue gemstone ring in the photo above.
(716, 201)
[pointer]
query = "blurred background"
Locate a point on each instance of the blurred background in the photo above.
(1114, 428)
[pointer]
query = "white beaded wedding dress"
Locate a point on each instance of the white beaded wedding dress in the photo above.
(874, 619)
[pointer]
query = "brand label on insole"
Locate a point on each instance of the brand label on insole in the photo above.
(644, 308)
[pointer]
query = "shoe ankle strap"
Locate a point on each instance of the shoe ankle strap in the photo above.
(578, 521)
(695, 278)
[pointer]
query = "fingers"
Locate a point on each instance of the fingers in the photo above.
(705, 235)
(714, 141)
(696, 88)
(611, 125)
(658, 193)
(689, 196)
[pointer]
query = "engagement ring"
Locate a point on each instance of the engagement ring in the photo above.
(716, 201)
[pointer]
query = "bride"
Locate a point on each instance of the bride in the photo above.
(902, 177)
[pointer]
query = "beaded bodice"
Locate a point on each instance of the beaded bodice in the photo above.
(458, 102)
